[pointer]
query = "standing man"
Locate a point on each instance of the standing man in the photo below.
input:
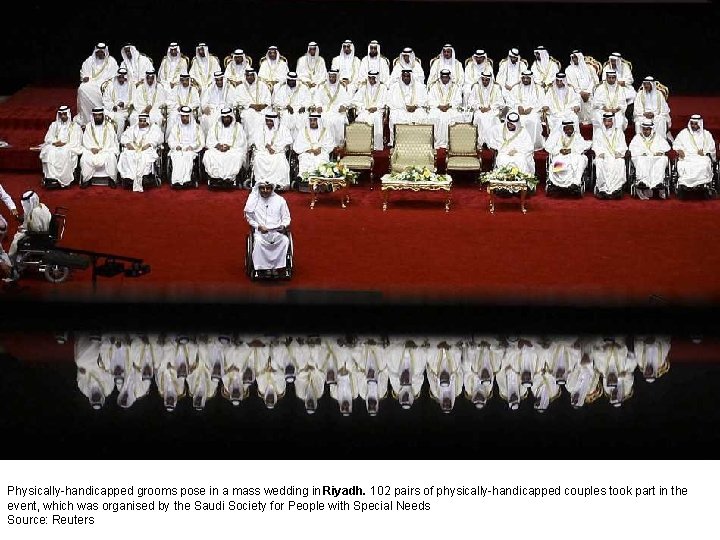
(311, 68)
(117, 100)
(447, 60)
(487, 103)
(95, 70)
(583, 79)
(171, 66)
(273, 68)
(203, 65)
(331, 99)
(292, 101)
(374, 61)
(348, 67)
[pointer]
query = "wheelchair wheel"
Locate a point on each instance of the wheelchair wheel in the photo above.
(56, 273)
(249, 270)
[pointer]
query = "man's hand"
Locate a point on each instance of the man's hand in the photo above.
(121, 105)
(512, 152)
(700, 153)
(146, 110)
(316, 151)
(659, 154)
(411, 108)
(372, 109)
(618, 155)
(318, 109)
(545, 109)
(207, 110)
(95, 150)
(602, 156)
(290, 109)
(565, 151)
(301, 110)
(622, 83)
(15, 214)
(342, 109)
(85, 79)
(521, 110)
(58, 143)
(262, 229)
(576, 110)
(146, 146)
(129, 146)
(649, 115)
(681, 154)
(484, 109)
(178, 148)
(269, 148)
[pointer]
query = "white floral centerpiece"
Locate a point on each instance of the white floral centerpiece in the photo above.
(509, 174)
(419, 174)
(332, 169)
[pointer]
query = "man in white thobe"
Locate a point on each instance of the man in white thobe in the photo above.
(61, 149)
(311, 68)
(509, 71)
(446, 60)
(513, 144)
(478, 64)
(369, 102)
(171, 66)
(610, 147)
(93, 381)
(270, 163)
(486, 102)
(292, 101)
(273, 68)
(582, 78)
(543, 68)
(235, 70)
(374, 61)
(610, 97)
(253, 97)
(36, 218)
(203, 65)
(648, 150)
(526, 99)
(185, 140)
(696, 152)
(182, 95)
(332, 99)
(95, 70)
(100, 150)
(560, 101)
(650, 104)
(623, 72)
(444, 100)
(348, 67)
(136, 63)
(407, 101)
(149, 98)
(269, 216)
(405, 61)
(313, 144)
(652, 353)
(7, 201)
(117, 99)
(214, 98)
(226, 148)
(139, 152)
(568, 161)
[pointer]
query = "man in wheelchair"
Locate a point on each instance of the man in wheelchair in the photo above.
(270, 242)
(648, 150)
(567, 162)
(36, 219)
(696, 164)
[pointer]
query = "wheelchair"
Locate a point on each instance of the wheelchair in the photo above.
(37, 251)
(670, 170)
(293, 160)
(256, 275)
(586, 182)
(196, 176)
(593, 178)
(709, 190)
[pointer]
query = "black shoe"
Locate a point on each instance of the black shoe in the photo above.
(85, 185)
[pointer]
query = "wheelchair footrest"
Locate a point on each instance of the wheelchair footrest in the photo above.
(62, 258)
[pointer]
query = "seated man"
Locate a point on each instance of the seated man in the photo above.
(136, 63)
(273, 68)
(369, 102)
(148, 98)
(235, 69)
(313, 144)
(567, 158)
(407, 61)
(213, 99)
(171, 66)
(269, 216)
(610, 147)
(477, 65)
(407, 101)
(509, 71)
(624, 74)
(651, 105)
(331, 99)
(487, 103)
(182, 95)
(253, 97)
(100, 150)
(560, 101)
(526, 99)
(348, 67)
(203, 65)
(60, 151)
(374, 61)
(292, 101)
(36, 218)
(185, 141)
(95, 70)
(648, 150)
(544, 68)
(610, 97)
(311, 68)
(139, 152)
(582, 78)
(117, 100)
(445, 100)
(696, 152)
(513, 144)
(447, 60)
(270, 162)
(226, 149)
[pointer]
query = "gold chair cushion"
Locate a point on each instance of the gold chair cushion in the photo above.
(357, 162)
(464, 163)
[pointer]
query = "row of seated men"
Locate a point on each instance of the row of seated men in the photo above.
(366, 368)
(452, 93)
(225, 146)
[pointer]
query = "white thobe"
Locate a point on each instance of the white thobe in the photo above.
(272, 167)
(377, 63)
(37, 221)
(132, 389)
(418, 73)
(566, 170)
(145, 96)
(270, 248)
(347, 387)
(612, 97)
(311, 71)
(515, 148)
(525, 361)
(544, 73)
(89, 93)
(235, 73)
(171, 67)
(102, 163)
(201, 386)
(348, 66)
(6, 199)
(457, 73)
(562, 357)
(180, 96)
(367, 97)
(92, 380)
(545, 389)
(373, 383)
(508, 74)
(136, 163)
(444, 94)
(203, 69)
(582, 383)
(225, 165)
(583, 78)
(406, 367)
(273, 72)
(624, 78)
(270, 382)
(401, 96)
(649, 167)
(510, 388)
(190, 139)
(695, 169)
(212, 100)
(561, 103)
(117, 100)
(444, 373)
(609, 147)
(331, 98)
(652, 356)
(309, 140)
(59, 162)
(137, 66)
(257, 93)
(529, 96)
(488, 97)
(482, 360)
(654, 103)
(613, 361)
(298, 100)
(473, 72)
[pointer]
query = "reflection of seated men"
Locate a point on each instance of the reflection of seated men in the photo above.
(567, 157)
(481, 362)
(616, 364)
(269, 162)
(406, 364)
(513, 144)
(693, 144)
(269, 216)
(93, 381)
(313, 144)
(444, 373)
(648, 154)
(652, 356)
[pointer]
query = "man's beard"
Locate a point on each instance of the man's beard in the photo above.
(99, 122)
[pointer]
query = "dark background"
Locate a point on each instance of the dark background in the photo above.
(675, 42)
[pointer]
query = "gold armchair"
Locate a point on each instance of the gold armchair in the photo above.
(413, 147)
(462, 154)
(357, 152)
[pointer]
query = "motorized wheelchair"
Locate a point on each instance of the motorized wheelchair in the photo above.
(254, 274)
(586, 182)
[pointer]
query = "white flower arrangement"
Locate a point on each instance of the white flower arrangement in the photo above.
(332, 169)
(420, 174)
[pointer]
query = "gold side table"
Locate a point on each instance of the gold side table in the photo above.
(334, 184)
(387, 184)
(513, 186)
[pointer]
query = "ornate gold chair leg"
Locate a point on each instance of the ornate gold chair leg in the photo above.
(447, 203)
(522, 201)
(314, 197)
(385, 200)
